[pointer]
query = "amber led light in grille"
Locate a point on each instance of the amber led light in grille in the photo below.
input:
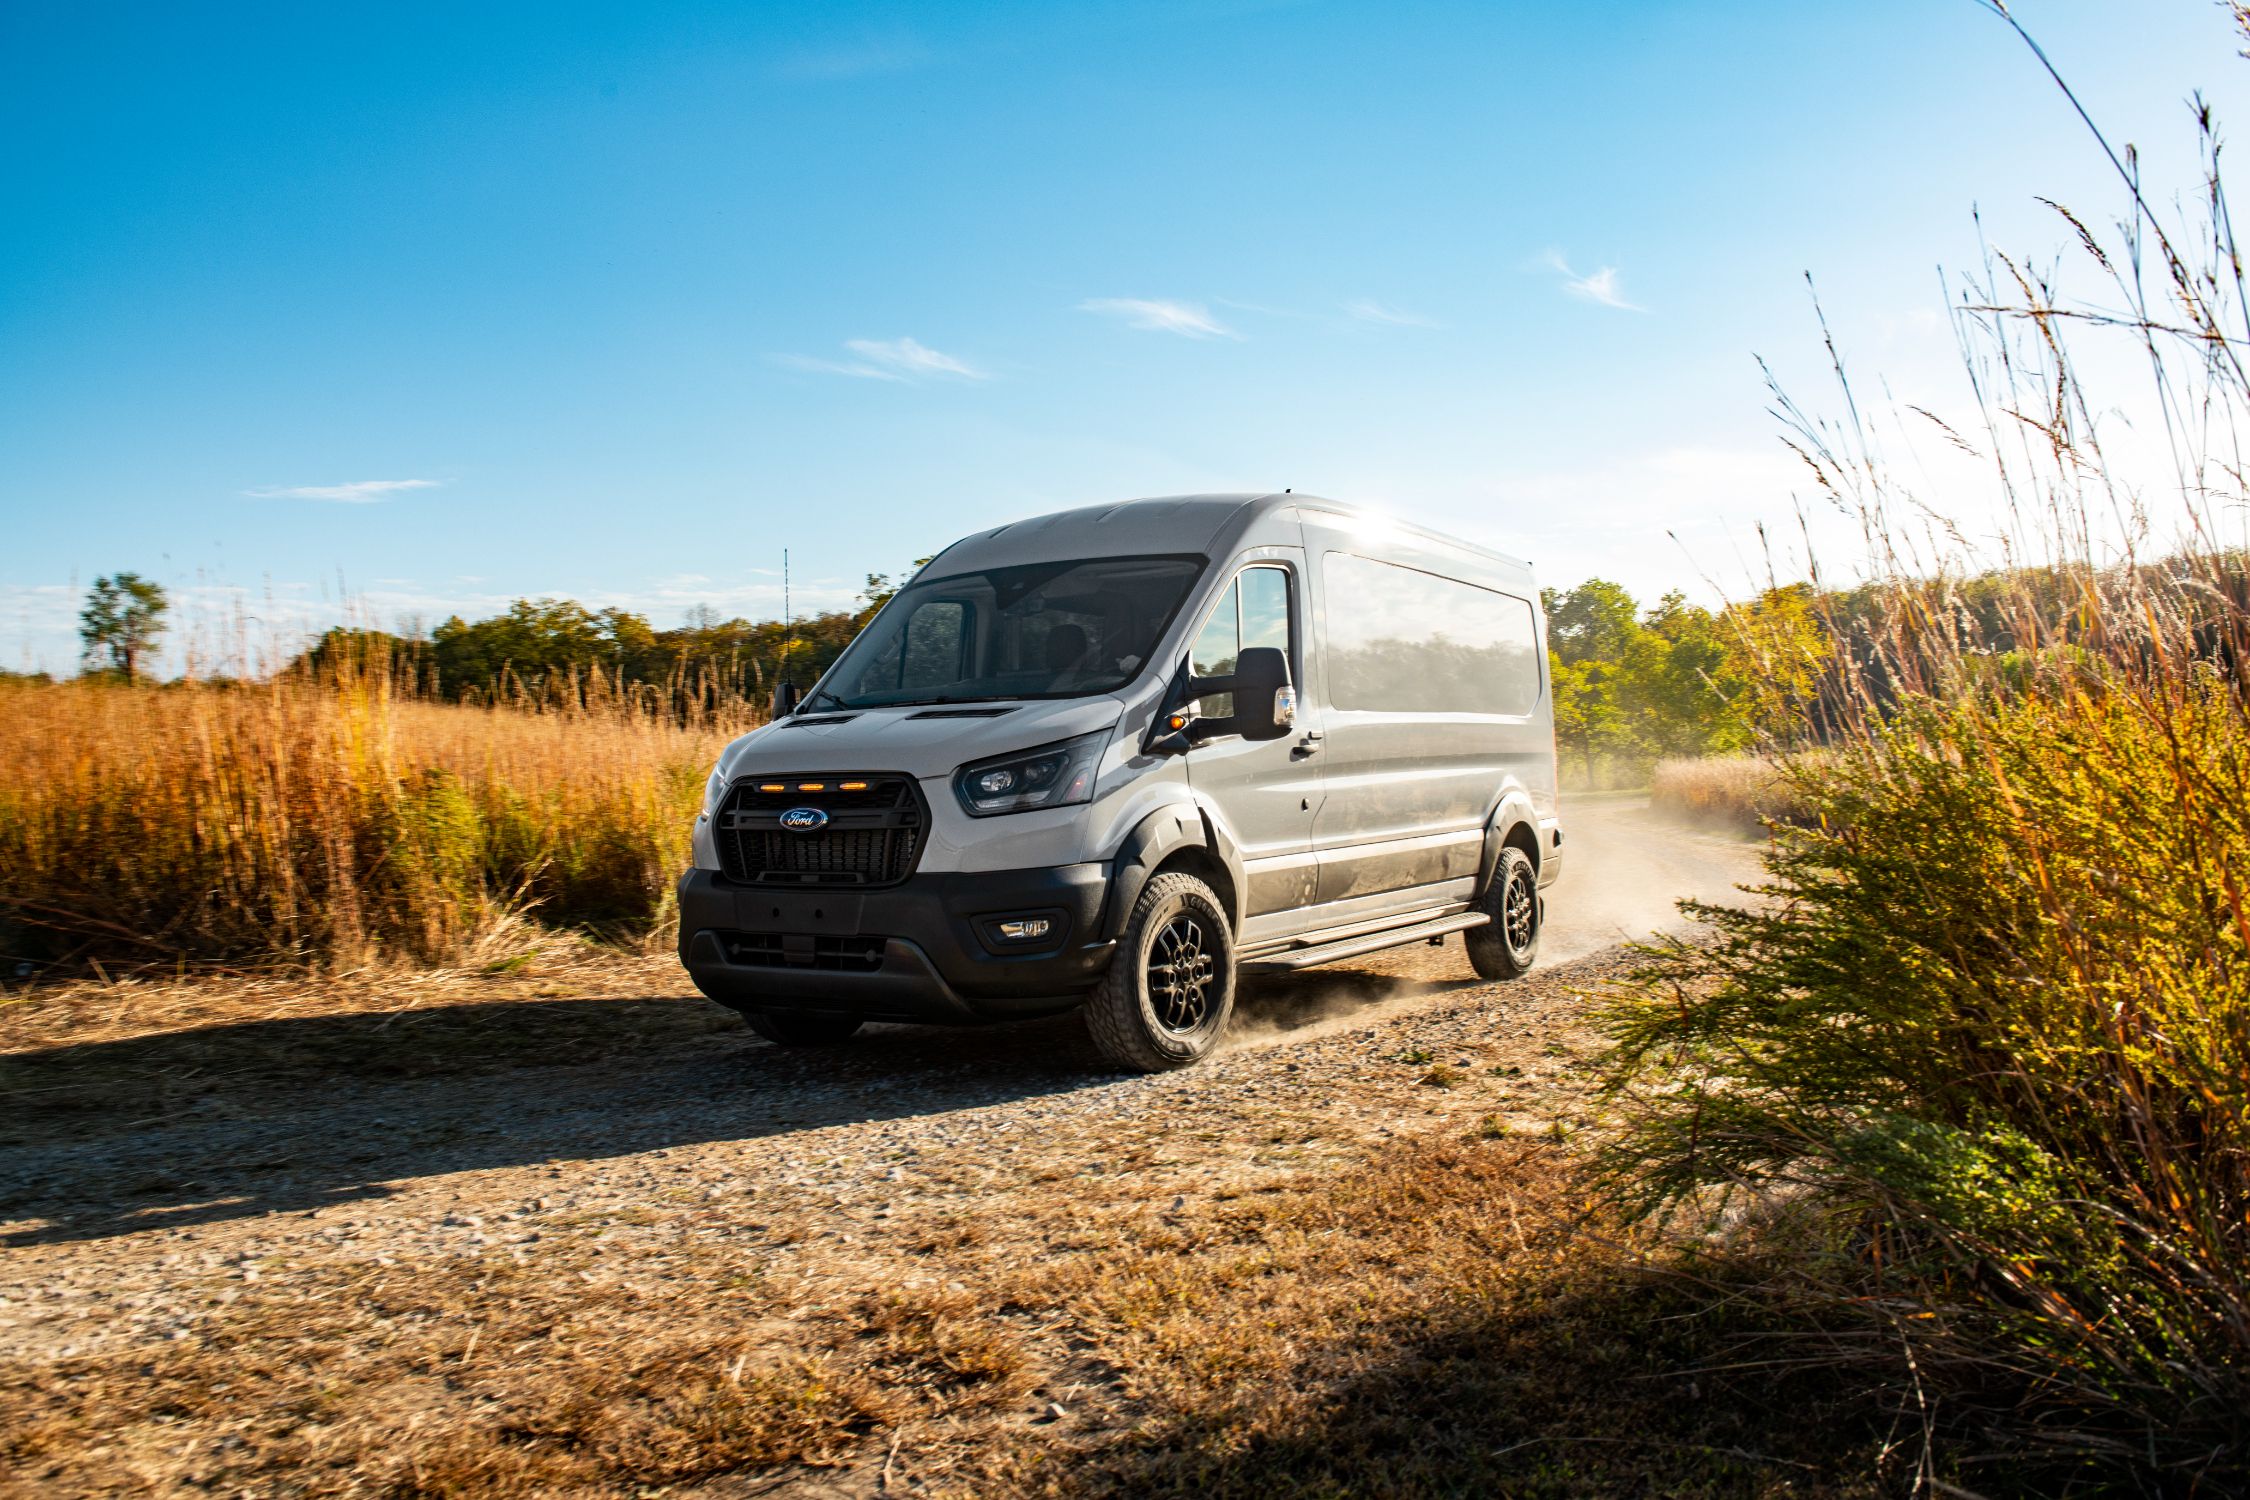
(874, 837)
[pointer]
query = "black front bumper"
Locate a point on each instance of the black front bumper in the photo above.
(919, 951)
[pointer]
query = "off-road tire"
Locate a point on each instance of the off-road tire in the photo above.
(1508, 945)
(1145, 1019)
(792, 1028)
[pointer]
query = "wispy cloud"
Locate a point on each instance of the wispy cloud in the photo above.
(885, 359)
(910, 358)
(1368, 310)
(1601, 286)
(358, 492)
(1188, 319)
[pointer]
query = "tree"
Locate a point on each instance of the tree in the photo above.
(1594, 622)
(1777, 647)
(880, 588)
(121, 621)
(1680, 692)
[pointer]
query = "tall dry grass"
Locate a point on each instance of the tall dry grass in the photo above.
(1990, 1031)
(334, 819)
(1745, 792)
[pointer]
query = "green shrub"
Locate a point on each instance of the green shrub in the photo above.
(1993, 1021)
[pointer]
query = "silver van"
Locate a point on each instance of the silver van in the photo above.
(1114, 758)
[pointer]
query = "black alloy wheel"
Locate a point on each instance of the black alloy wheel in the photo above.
(1180, 976)
(1165, 1001)
(1508, 945)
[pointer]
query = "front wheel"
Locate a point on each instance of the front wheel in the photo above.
(1506, 946)
(788, 1028)
(1170, 988)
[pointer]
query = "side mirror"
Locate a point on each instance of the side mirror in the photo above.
(784, 699)
(1265, 704)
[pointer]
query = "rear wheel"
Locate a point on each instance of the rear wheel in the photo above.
(786, 1028)
(1506, 946)
(1170, 989)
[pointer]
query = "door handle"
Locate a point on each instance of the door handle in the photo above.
(1309, 744)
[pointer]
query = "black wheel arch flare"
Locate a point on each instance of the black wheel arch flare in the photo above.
(1160, 840)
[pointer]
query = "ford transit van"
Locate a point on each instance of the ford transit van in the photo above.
(1115, 758)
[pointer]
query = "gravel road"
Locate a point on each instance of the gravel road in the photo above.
(123, 1233)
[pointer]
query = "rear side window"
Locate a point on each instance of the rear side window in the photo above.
(1404, 641)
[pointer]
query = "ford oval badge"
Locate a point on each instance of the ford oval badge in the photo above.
(804, 819)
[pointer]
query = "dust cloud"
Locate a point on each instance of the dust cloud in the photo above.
(1625, 872)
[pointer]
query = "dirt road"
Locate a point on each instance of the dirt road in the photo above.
(259, 1180)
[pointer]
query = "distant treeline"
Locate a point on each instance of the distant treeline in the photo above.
(1632, 684)
(559, 653)
(1800, 665)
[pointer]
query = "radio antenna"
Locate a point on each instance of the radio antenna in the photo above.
(788, 614)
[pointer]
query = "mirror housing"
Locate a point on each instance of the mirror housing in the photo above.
(784, 699)
(1265, 702)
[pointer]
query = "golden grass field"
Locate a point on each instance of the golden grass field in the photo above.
(335, 823)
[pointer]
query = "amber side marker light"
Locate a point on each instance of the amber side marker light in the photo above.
(772, 786)
(851, 786)
(812, 786)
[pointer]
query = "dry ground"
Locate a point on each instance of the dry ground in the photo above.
(562, 1229)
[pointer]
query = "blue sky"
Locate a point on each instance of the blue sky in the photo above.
(427, 309)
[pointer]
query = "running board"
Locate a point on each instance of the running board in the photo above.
(1373, 942)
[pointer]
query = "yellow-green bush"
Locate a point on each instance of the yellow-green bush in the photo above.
(330, 821)
(1995, 1018)
(1986, 1031)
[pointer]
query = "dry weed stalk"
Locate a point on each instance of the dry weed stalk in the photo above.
(1993, 1025)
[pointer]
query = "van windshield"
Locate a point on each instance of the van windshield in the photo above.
(1042, 630)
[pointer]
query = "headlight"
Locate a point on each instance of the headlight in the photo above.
(713, 790)
(1050, 776)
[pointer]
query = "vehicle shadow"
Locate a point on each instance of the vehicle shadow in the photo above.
(293, 1114)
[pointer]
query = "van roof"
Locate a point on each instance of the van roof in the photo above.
(1159, 523)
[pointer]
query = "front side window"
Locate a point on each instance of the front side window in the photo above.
(1042, 630)
(1254, 611)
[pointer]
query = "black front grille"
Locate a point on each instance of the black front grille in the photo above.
(777, 950)
(872, 836)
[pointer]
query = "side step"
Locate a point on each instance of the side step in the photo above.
(1373, 942)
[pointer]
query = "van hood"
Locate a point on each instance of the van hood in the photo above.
(921, 740)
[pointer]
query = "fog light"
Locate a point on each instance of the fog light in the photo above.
(1024, 929)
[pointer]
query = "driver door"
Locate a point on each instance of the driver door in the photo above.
(1264, 792)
